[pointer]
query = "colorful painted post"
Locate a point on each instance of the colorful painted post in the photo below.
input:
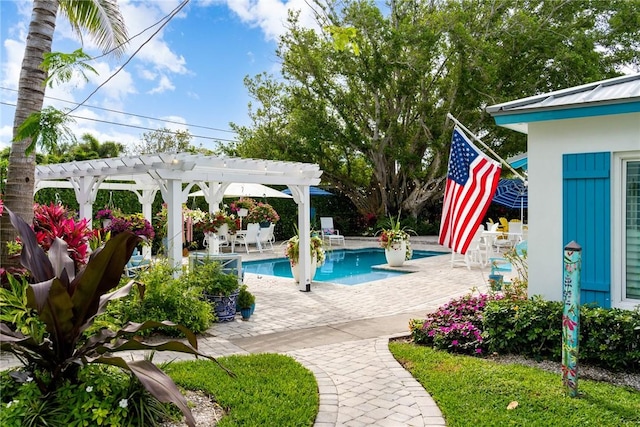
(571, 317)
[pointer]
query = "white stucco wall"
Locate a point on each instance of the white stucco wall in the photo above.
(547, 142)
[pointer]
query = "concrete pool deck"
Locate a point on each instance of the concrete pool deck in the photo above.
(341, 334)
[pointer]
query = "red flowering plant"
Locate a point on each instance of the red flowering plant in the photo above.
(211, 222)
(54, 220)
(394, 235)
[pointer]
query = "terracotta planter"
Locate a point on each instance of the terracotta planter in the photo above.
(396, 254)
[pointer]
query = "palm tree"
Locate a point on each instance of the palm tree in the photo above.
(102, 20)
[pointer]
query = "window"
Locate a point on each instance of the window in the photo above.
(631, 211)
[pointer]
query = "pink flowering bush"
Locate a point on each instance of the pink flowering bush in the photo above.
(455, 326)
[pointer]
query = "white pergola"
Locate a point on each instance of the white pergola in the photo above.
(169, 172)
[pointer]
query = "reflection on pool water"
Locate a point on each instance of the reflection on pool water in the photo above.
(342, 266)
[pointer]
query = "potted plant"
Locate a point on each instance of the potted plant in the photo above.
(105, 216)
(136, 223)
(264, 214)
(242, 206)
(395, 241)
(218, 288)
(292, 251)
(246, 302)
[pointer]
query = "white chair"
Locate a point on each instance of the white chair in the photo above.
(265, 237)
(251, 237)
(514, 236)
(328, 232)
(476, 253)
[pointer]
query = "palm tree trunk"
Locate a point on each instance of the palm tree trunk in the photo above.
(21, 170)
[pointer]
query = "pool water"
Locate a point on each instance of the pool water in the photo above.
(342, 266)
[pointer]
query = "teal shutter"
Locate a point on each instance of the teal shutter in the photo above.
(586, 219)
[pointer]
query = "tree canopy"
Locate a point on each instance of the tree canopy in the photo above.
(375, 120)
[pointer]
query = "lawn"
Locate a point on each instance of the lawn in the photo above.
(267, 389)
(476, 392)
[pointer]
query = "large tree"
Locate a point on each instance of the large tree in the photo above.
(376, 121)
(102, 20)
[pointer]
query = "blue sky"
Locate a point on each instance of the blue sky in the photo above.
(191, 73)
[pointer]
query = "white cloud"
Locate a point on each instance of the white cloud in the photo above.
(118, 87)
(170, 123)
(163, 85)
(271, 15)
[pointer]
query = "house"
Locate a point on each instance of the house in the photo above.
(584, 185)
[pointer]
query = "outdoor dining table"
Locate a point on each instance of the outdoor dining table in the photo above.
(492, 236)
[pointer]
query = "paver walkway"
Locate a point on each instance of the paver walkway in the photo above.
(341, 334)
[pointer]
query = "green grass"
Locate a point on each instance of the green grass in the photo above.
(475, 392)
(268, 389)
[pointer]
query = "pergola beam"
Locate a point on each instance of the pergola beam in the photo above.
(168, 172)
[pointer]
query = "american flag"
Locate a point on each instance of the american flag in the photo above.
(471, 182)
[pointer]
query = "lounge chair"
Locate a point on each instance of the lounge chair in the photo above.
(250, 237)
(266, 237)
(328, 232)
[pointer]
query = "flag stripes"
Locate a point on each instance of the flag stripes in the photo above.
(471, 182)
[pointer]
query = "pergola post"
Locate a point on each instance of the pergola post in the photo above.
(86, 189)
(146, 197)
(301, 196)
(174, 224)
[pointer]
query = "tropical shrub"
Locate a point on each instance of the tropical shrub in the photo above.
(54, 220)
(165, 297)
(609, 338)
(210, 279)
(67, 304)
(531, 328)
(103, 395)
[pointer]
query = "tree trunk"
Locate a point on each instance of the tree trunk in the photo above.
(21, 170)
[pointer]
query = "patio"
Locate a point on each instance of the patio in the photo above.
(282, 308)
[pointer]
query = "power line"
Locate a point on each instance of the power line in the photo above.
(171, 15)
(125, 113)
(138, 127)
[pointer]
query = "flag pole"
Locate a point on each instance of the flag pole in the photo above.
(503, 161)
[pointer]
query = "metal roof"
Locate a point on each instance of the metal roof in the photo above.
(619, 89)
(612, 92)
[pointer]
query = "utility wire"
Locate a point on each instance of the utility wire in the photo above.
(141, 127)
(174, 13)
(123, 112)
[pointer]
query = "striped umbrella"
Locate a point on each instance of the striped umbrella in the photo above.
(512, 193)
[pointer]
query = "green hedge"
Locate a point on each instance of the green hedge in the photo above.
(609, 338)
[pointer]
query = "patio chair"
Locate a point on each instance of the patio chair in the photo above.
(250, 237)
(328, 232)
(513, 237)
(476, 253)
(266, 237)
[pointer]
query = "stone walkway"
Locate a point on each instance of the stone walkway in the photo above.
(341, 334)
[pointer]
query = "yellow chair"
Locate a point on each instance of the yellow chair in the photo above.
(504, 225)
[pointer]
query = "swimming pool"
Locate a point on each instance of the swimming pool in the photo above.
(342, 266)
